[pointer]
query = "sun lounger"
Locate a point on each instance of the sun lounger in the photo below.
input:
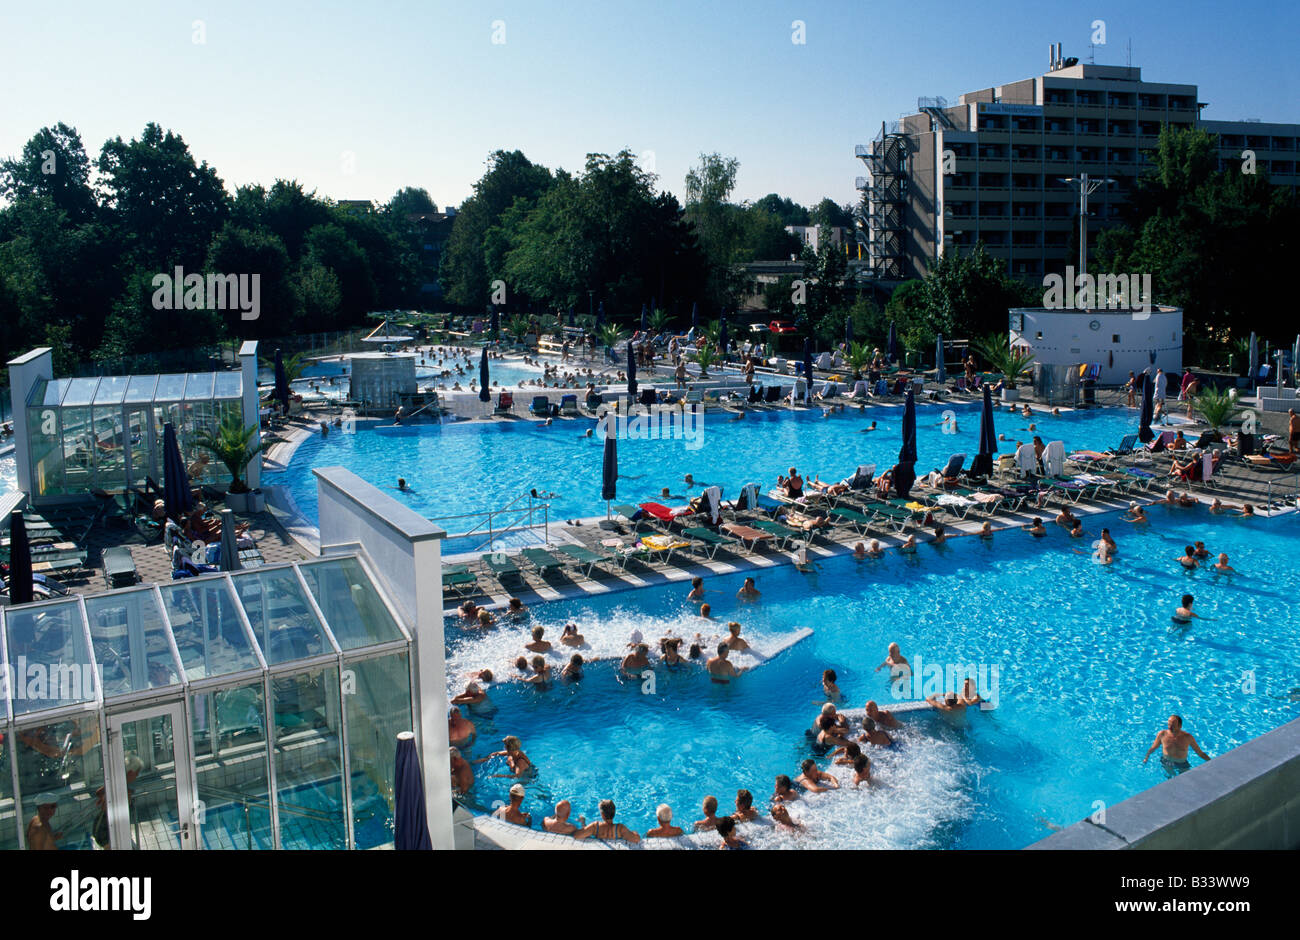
(584, 557)
(706, 541)
(502, 566)
(783, 534)
(653, 545)
(541, 407)
(542, 560)
(569, 406)
(505, 404)
(458, 580)
(746, 534)
(862, 523)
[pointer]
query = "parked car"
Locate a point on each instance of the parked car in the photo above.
(781, 327)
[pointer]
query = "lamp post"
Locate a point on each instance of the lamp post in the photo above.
(1086, 185)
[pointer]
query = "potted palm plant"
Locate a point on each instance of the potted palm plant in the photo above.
(1010, 363)
(610, 336)
(857, 358)
(705, 358)
(232, 443)
(1217, 407)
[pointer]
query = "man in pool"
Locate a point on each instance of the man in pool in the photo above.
(1066, 518)
(898, 665)
(951, 704)
(861, 770)
(870, 429)
(1136, 514)
(710, 820)
(814, 779)
(460, 731)
(882, 717)
(462, 774)
(559, 823)
(1174, 742)
(871, 734)
(829, 688)
(697, 590)
(784, 791)
(1036, 528)
(538, 645)
(665, 829)
(734, 640)
(781, 816)
(748, 591)
(1222, 564)
(1184, 614)
(635, 661)
(720, 670)
(745, 811)
(1188, 558)
(829, 734)
(512, 813)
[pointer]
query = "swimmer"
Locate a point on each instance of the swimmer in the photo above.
(473, 695)
(1036, 528)
(828, 733)
(460, 730)
(831, 690)
(1247, 510)
(1077, 531)
(1188, 558)
(636, 660)
(706, 611)
(521, 664)
(538, 645)
(986, 530)
(401, 484)
(781, 816)
(815, 780)
(541, 672)
(573, 668)
(571, 637)
(697, 589)
(908, 546)
(747, 590)
(1184, 614)
(881, 717)
(870, 429)
(1173, 742)
(469, 610)
(1108, 541)
(462, 774)
(670, 647)
(720, 670)
(846, 755)
(516, 609)
(860, 550)
(665, 829)
(939, 535)
(896, 661)
(513, 752)
(1222, 564)
(871, 734)
(1136, 514)
(784, 791)
(950, 703)
(734, 641)
(1066, 518)
(726, 828)
(861, 770)
(1201, 550)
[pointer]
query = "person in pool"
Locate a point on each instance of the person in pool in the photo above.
(720, 670)
(734, 640)
(873, 735)
(473, 694)
(697, 590)
(1036, 528)
(665, 829)
(785, 791)
(1184, 614)
(516, 610)
(1174, 742)
(1217, 506)
(538, 645)
(829, 688)
(710, 820)
(846, 755)
(909, 546)
(986, 530)
(559, 823)
(513, 752)
(726, 828)
(460, 730)
(896, 661)
(1188, 558)
(485, 618)
(860, 550)
(814, 779)
(1066, 518)
(1077, 531)
(541, 676)
(572, 670)
(882, 717)
(469, 611)
(512, 812)
(637, 660)
(870, 429)
(706, 611)
(1109, 542)
(950, 704)
(861, 770)
(401, 484)
(781, 816)
(1136, 514)
(828, 733)
(605, 828)
(748, 591)
(745, 811)
(1247, 510)
(571, 637)
(1201, 550)
(1222, 564)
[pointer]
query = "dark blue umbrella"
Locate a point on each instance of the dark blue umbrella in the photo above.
(652, 306)
(807, 365)
(281, 392)
(723, 338)
(570, 314)
(20, 560)
(496, 324)
(609, 469)
(643, 318)
(483, 393)
(600, 315)
(891, 346)
(631, 369)
(177, 498)
(848, 332)
(410, 822)
(982, 465)
(446, 324)
(938, 358)
(905, 475)
(695, 316)
(1145, 434)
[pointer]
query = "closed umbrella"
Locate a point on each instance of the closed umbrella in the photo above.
(496, 324)
(982, 465)
(483, 393)
(281, 392)
(631, 369)
(723, 339)
(643, 318)
(807, 367)
(570, 314)
(905, 475)
(609, 469)
(229, 546)
(20, 560)
(695, 316)
(891, 347)
(1295, 361)
(1254, 357)
(1278, 354)
(177, 498)
(848, 332)
(410, 822)
(942, 371)
(1145, 434)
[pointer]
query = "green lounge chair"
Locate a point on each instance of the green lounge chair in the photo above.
(542, 560)
(782, 533)
(710, 540)
(457, 579)
(586, 559)
(502, 566)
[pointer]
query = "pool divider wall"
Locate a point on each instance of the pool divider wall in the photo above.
(406, 552)
(1248, 798)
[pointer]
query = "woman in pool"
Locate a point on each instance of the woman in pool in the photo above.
(828, 735)
(986, 530)
(1247, 510)
(670, 647)
(829, 688)
(605, 828)
(517, 611)
(571, 636)
(909, 546)
(541, 676)
(697, 590)
(734, 640)
(513, 752)
(485, 618)
(1188, 558)
(636, 661)
(1077, 531)
(1184, 614)
(939, 535)
(469, 610)
(1136, 514)
(745, 811)
(573, 669)
(785, 791)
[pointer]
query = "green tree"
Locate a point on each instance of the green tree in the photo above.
(241, 251)
(53, 164)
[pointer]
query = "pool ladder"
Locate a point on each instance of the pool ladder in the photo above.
(520, 514)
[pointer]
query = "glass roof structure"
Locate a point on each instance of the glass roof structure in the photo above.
(269, 699)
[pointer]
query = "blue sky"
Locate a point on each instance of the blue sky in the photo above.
(356, 99)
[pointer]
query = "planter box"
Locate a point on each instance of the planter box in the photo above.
(256, 501)
(1011, 394)
(237, 502)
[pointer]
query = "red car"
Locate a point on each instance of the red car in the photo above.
(781, 326)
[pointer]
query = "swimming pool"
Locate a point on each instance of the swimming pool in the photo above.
(1089, 667)
(472, 467)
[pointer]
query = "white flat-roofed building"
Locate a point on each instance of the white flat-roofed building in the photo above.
(1119, 340)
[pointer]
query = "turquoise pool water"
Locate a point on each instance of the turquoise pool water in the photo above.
(1089, 667)
(465, 468)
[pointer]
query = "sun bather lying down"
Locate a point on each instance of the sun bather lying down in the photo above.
(806, 521)
(830, 489)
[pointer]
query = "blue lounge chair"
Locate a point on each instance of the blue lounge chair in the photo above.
(569, 406)
(541, 407)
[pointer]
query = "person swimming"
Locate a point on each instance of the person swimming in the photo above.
(1184, 614)
(1222, 564)
(720, 670)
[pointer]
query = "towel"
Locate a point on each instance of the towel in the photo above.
(713, 500)
(1026, 461)
(1054, 458)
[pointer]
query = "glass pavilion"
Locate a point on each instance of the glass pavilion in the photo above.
(106, 433)
(251, 709)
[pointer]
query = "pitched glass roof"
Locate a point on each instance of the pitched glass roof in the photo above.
(136, 389)
(147, 641)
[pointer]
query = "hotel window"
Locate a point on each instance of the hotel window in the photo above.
(1114, 338)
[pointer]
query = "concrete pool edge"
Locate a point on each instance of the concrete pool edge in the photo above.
(1248, 798)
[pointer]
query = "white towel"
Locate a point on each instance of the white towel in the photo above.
(1054, 458)
(1026, 460)
(713, 499)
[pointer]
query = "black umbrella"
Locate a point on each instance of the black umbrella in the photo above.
(410, 822)
(723, 338)
(905, 475)
(982, 465)
(177, 498)
(643, 318)
(570, 314)
(609, 469)
(695, 316)
(496, 324)
(483, 393)
(891, 346)
(631, 369)
(600, 315)
(20, 560)
(281, 392)
(807, 365)
(942, 373)
(1145, 434)
(848, 332)
(229, 542)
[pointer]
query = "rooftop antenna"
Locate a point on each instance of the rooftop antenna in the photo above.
(1091, 54)
(1128, 52)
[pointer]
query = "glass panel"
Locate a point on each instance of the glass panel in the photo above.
(282, 619)
(378, 700)
(309, 760)
(230, 760)
(228, 385)
(111, 390)
(46, 454)
(49, 664)
(352, 608)
(140, 389)
(206, 625)
(130, 640)
(78, 450)
(51, 392)
(137, 429)
(8, 824)
(61, 779)
(170, 388)
(198, 386)
(149, 755)
(80, 392)
(110, 449)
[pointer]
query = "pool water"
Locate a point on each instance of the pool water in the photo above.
(473, 467)
(1088, 668)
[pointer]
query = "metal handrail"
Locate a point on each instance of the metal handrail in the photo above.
(489, 518)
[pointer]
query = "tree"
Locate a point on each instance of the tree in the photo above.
(241, 251)
(410, 200)
(330, 247)
(53, 164)
(1002, 358)
(716, 222)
